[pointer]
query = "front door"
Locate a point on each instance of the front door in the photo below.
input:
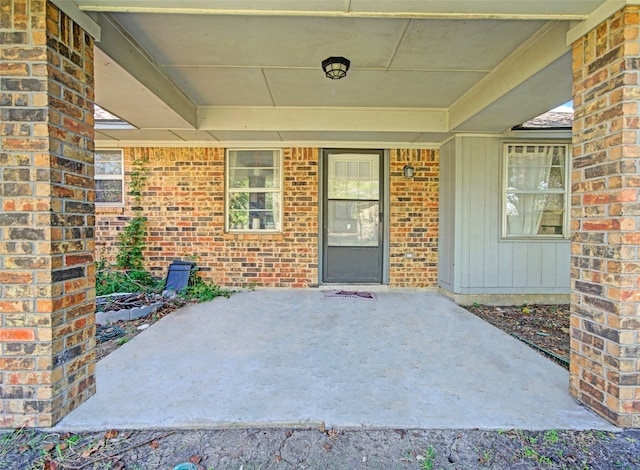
(352, 216)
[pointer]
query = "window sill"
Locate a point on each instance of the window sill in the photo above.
(541, 238)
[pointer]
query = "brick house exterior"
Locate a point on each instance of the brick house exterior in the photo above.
(184, 204)
(47, 247)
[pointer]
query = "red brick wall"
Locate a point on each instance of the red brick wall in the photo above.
(605, 281)
(414, 219)
(46, 223)
(184, 201)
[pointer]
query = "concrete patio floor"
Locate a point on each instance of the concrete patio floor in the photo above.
(293, 357)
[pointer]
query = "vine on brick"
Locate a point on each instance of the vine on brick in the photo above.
(128, 273)
(132, 238)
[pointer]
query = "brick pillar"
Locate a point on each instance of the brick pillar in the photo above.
(46, 224)
(605, 271)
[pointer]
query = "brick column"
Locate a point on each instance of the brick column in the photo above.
(46, 224)
(605, 271)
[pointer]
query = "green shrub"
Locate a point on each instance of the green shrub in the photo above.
(199, 290)
(110, 280)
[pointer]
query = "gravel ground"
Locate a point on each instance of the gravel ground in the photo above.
(545, 327)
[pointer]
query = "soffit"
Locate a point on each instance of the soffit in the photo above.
(404, 55)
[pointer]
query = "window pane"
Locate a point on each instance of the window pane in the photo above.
(535, 196)
(108, 163)
(254, 181)
(353, 223)
(239, 210)
(536, 167)
(109, 191)
(253, 169)
(349, 179)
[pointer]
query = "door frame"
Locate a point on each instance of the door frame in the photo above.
(384, 201)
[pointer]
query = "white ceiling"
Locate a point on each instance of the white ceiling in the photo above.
(249, 70)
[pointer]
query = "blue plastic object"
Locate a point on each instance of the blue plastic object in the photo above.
(178, 275)
(185, 466)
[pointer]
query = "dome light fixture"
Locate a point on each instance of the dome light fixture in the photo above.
(335, 68)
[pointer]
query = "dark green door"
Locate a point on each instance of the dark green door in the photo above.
(353, 245)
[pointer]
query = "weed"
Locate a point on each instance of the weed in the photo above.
(201, 290)
(122, 341)
(476, 305)
(551, 436)
(111, 279)
(544, 460)
(486, 456)
(428, 462)
(601, 435)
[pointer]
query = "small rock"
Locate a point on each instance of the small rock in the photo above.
(144, 326)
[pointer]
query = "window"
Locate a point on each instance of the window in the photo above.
(535, 195)
(109, 177)
(254, 190)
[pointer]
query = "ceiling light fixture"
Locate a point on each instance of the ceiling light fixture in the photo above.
(335, 67)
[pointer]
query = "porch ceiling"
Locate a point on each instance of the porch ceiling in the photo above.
(248, 70)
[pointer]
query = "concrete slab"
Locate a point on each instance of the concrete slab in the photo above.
(292, 357)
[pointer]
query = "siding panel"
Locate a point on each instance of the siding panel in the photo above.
(487, 263)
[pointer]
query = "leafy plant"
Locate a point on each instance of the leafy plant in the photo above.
(202, 291)
(429, 459)
(132, 238)
(551, 436)
(486, 456)
(111, 279)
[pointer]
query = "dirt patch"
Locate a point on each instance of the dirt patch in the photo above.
(543, 327)
(105, 344)
(316, 449)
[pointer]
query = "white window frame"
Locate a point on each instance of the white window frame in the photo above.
(112, 177)
(279, 191)
(564, 191)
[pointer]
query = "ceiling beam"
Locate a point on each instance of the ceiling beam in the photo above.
(427, 9)
(540, 51)
(125, 51)
(322, 119)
